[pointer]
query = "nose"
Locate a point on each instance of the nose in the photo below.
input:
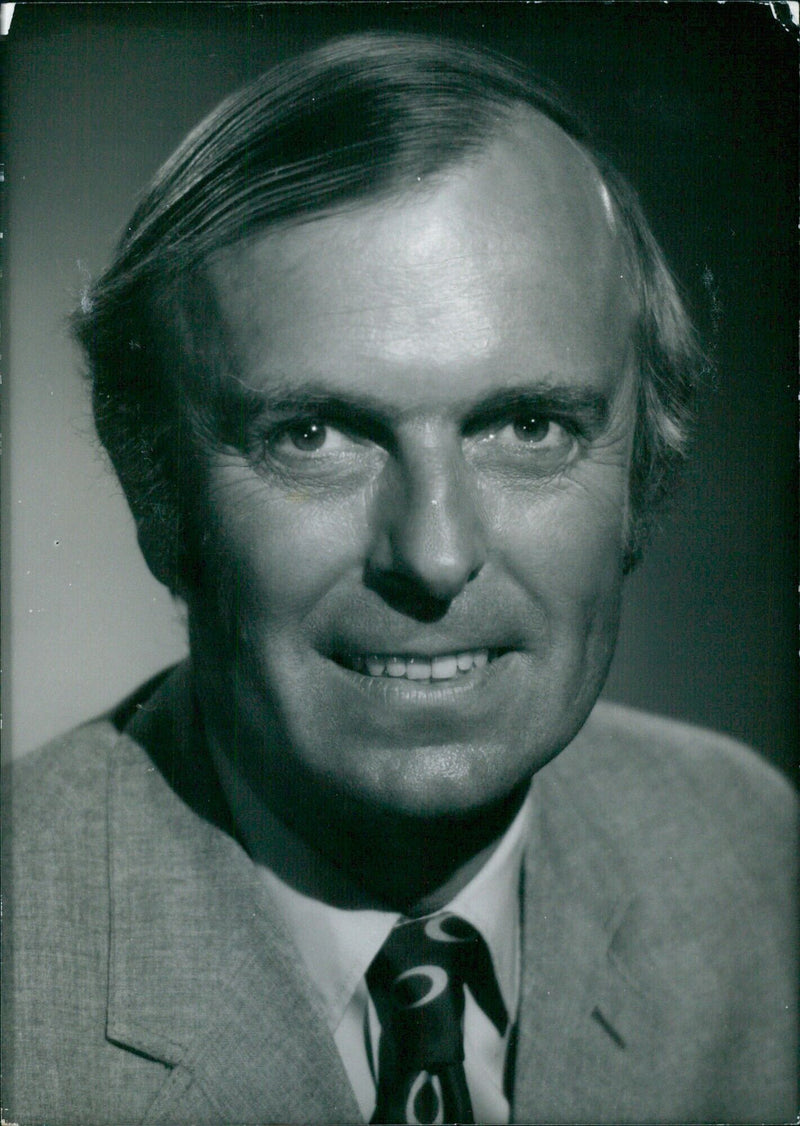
(430, 537)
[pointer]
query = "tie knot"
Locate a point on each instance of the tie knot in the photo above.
(418, 976)
(443, 941)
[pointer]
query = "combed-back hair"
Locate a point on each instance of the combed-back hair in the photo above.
(362, 117)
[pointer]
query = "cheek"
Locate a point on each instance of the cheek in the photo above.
(283, 550)
(565, 551)
(566, 543)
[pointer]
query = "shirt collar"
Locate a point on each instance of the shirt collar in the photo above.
(491, 902)
(337, 944)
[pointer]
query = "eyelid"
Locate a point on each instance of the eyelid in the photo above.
(353, 424)
(583, 413)
(509, 417)
(280, 437)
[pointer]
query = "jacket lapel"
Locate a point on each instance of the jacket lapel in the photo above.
(588, 1029)
(202, 976)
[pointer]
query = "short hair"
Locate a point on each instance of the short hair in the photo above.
(359, 118)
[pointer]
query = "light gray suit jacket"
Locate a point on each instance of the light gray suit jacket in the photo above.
(147, 979)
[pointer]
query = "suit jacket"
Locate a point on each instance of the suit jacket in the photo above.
(148, 980)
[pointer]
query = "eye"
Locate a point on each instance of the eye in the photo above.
(533, 430)
(309, 437)
(528, 442)
(316, 449)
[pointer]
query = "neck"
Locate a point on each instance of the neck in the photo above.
(418, 866)
(329, 848)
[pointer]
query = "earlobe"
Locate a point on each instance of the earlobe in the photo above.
(634, 537)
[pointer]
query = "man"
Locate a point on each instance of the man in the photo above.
(392, 372)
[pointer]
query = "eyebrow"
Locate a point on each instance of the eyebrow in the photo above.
(587, 406)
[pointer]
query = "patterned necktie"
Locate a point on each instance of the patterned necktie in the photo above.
(417, 983)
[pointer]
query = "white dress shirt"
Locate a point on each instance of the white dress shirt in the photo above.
(338, 944)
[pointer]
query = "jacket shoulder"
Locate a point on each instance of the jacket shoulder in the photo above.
(719, 767)
(58, 1064)
(654, 780)
(58, 786)
(55, 857)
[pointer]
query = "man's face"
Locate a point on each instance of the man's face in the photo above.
(421, 537)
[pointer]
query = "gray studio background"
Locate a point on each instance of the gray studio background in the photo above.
(697, 102)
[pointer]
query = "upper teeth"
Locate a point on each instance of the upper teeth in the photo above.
(444, 667)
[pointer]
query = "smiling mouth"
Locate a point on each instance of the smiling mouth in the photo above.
(432, 669)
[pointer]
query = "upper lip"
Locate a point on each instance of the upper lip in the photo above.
(421, 649)
(421, 654)
(366, 631)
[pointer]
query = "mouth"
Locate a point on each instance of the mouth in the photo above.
(432, 669)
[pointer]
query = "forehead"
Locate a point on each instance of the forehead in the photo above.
(506, 268)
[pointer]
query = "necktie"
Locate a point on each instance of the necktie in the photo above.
(417, 983)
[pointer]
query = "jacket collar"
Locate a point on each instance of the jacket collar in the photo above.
(202, 976)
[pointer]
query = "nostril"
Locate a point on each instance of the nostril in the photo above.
(407, 595)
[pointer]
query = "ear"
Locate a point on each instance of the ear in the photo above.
(636, 534)
(161, 544)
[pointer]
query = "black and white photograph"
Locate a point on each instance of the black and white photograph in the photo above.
(399, 563)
